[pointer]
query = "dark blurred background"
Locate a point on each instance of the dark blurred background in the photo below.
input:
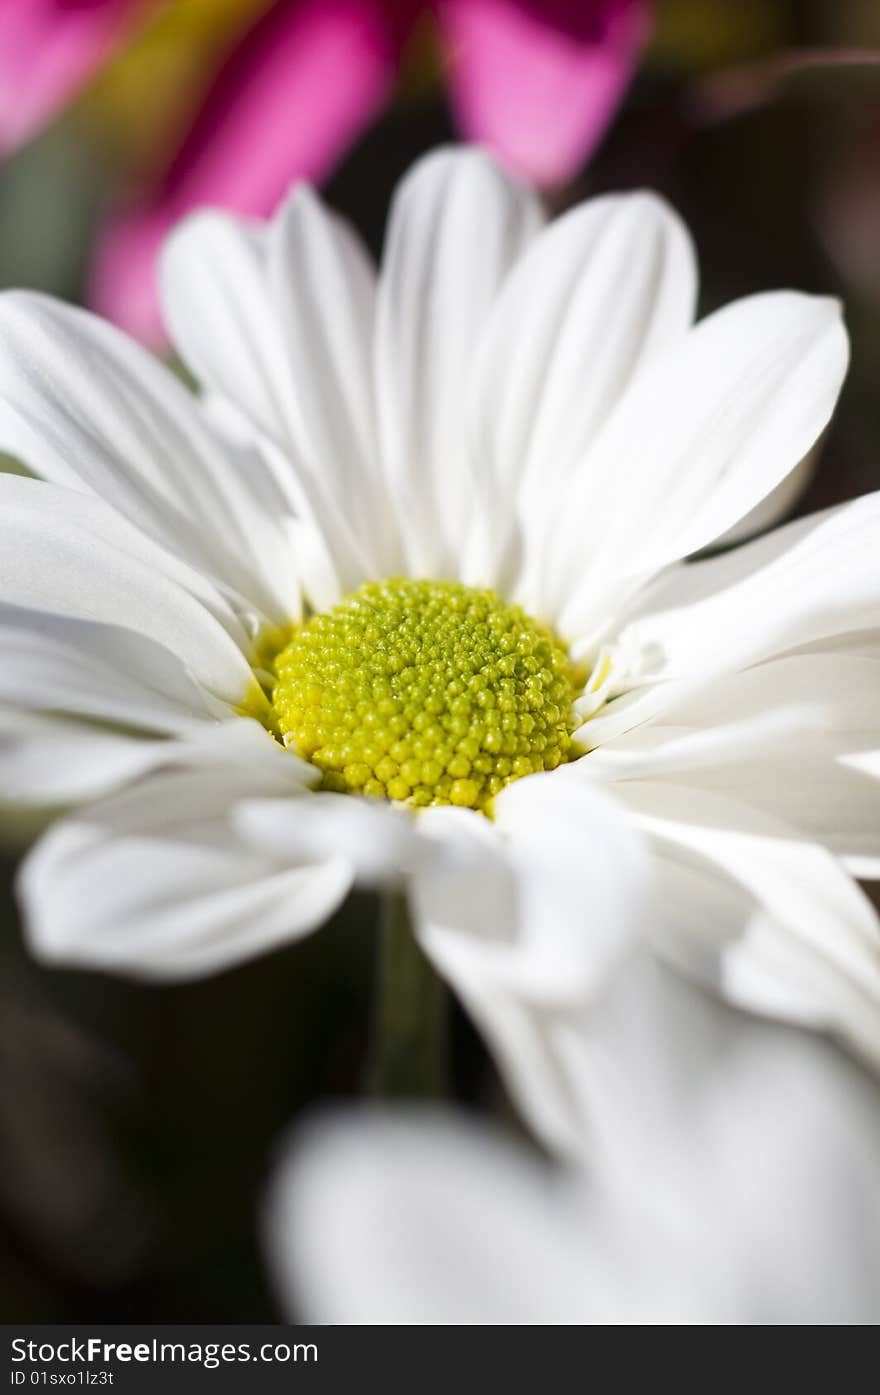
(137, 1123)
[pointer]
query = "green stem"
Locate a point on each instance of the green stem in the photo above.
(409, 1052)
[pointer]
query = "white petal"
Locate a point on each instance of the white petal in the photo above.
(813, 707)
(751, 1198)
(156, 882)
(745, 1160)
(816, 579)
(220, 315)
(527, 918)
(783, 1153)
(377, 1219)
(325, 287)
(278, 322)
(53, 669)
(457, 225)
(54, 664)
(377, 840)
(862, 859)
(599, 293)
(868, 761)
(46, 761)
(81, 405)
(68, 553)
(777, 506)
(699, 439)
(811, 950)
(779, 737)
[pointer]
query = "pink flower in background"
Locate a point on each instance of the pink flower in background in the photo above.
(48, 49)
(292, 98)
(538, 83)
(539, 80)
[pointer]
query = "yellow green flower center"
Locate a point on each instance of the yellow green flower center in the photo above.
(427, 692)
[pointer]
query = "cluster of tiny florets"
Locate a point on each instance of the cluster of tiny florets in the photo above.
(427, 692)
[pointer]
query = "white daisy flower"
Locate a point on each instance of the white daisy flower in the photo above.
(419, 544)
(746, 1193)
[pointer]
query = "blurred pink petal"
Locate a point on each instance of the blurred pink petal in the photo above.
(287, 105)
(48, 49)
(539, 82)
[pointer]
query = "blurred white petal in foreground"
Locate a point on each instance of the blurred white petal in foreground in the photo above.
(745, 1195)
